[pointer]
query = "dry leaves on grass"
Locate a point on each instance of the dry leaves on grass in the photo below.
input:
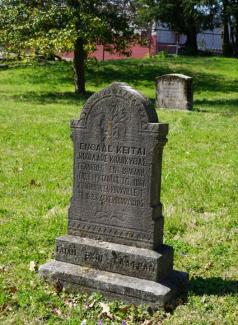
(105, 310)
(3, 268)
(147, 322)
(57, 311)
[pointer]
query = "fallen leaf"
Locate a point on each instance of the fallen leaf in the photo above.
(52, 211)
(57, 311)
(124, 309)
(12, 289)
(3, 268)
(147, 322)
(92, 304)
(105, 310)
(208, 265)
(58, 286)
(70, 303)
(33, 266)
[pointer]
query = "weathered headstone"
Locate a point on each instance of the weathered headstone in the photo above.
(174, 91)
(115, 225)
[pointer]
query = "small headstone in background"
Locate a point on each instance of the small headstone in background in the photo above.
(115, 225)
(174, 91)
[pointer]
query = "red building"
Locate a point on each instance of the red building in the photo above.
(137, 51)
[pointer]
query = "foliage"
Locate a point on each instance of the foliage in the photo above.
(53, 26)
(48, 27)
(199, 189)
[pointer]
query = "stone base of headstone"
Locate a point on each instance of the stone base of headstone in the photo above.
(128, 260)
(129, 273)
(76, 278)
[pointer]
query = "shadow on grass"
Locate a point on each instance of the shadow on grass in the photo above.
(133, 72)
(224, 106)
(210, 82)
(212, 286)
(137, 73)
(57, 73)
(52, 97)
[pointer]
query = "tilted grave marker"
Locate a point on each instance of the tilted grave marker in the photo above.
(115, 225)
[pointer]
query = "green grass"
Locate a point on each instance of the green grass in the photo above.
(199, 188)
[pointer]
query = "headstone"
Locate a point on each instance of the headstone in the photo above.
(174, 91)
(115, 224)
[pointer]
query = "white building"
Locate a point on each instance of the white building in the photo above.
(168, 40)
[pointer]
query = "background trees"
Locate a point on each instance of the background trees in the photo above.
(187, 17)
(47, 27)
(190, 17)
(229, 17)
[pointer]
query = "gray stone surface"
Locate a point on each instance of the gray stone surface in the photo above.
(129, 260)
(117, 163)
(130, 289)
(115, 224)
(174, 91)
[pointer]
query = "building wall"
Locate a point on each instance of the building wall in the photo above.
(209, 40)
(137, 51)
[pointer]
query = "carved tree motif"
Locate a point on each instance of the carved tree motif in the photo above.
(119, 117)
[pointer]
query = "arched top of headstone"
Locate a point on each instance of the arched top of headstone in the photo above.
(122, 103)
(174, 76)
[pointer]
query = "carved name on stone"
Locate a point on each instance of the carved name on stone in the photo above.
(113, 257)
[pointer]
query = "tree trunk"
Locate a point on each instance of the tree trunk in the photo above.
(236, 38)
(79, 67)
(226, 46)
(191, 42)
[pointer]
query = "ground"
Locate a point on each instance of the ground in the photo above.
(199, 189)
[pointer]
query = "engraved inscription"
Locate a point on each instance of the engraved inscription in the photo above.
(112, 259)
(118, 185)
(66, 250)
(174, 91)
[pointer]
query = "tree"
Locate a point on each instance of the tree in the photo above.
(49, 27)
(229, 17)
(184, 16)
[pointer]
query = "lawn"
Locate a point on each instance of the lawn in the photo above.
(199, 189)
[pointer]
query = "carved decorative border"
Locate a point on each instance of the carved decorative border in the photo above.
(100, 229)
